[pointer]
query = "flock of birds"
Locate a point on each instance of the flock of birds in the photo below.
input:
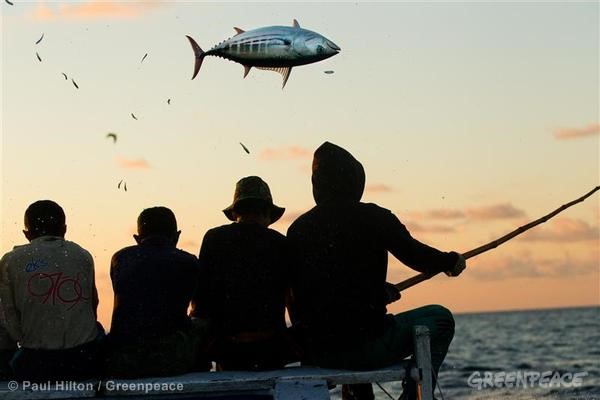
(112, 135)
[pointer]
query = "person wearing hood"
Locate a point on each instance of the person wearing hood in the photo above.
(244, 292)
(339, 288)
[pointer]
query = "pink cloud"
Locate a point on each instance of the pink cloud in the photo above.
(415, 227)
(445, 214)
(94, 9)
(378, 188)
(285, 153)
(525, 266)
(497, 211)
(564, 230)
(576, 133)
(139, 163)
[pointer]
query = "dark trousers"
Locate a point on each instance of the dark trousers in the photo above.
(77, 363)
(5, 357)
(257, 355)
(170, 354)
(396, 343)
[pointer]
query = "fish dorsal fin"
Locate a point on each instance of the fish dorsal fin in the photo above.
(295, 24)
(284, 71)
(247, 69)
(238, 30)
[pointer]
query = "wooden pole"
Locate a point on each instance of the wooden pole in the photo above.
(492, 245)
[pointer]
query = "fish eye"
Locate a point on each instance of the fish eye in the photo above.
(320, 49)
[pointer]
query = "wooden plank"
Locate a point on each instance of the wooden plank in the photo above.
(215, 382)
(243, 380)
(306, 389)
(423, 358)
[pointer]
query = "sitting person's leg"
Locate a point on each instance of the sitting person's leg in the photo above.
(260, 355)
(173, 354)
(77, 363)
(397, 343)
(440, 323)
(5, 357)
(7, 350)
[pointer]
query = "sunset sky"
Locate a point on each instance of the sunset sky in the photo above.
(470, 119)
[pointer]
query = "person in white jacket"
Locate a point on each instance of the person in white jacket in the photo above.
(48, 300)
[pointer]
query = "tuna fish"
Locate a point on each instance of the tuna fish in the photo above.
(275, 48)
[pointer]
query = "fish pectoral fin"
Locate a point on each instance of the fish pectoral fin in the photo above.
(247, 69)
(284, 71)
(295, 23)
(238, 30)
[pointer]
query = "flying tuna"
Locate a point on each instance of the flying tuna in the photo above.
(274, 48)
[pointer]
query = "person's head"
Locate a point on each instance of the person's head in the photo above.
(252, 202)
(44, 218)
(336, 175)
(157, 222)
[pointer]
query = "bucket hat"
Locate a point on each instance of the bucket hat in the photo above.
(253, 188)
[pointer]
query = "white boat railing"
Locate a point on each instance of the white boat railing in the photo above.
(292, 383)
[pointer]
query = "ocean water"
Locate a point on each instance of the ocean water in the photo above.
(559, 340)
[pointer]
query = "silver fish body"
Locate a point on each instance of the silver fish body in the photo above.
(277, 48)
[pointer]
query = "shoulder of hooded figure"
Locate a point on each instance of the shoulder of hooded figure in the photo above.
(302, 219)
(377, 210)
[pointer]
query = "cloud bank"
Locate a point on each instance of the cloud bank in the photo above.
(139, 163)
(563, 230)
(378, 188)
(577, 133)
(91, 10)
(526, 266)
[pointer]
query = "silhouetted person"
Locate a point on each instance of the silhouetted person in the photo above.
(48, 300)
(151, 333)
(339, 282)
(246, 268)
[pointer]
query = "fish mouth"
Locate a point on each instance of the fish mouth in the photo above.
(333, 46)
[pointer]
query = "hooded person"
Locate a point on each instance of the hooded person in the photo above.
(244, 291)
(339, 288)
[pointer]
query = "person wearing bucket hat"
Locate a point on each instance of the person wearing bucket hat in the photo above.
(243, 290)
(339, 277)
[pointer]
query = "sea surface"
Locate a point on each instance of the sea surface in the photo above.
(558, 340)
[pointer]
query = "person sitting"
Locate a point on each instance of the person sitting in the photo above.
(339, 285)
(153, 283)
(48, 301)
(246, 282)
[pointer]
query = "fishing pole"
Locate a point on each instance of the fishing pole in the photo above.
(410, 282)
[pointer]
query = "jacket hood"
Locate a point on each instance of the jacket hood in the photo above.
(336, 175)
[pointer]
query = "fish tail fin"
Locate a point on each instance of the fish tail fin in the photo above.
(199, 55)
